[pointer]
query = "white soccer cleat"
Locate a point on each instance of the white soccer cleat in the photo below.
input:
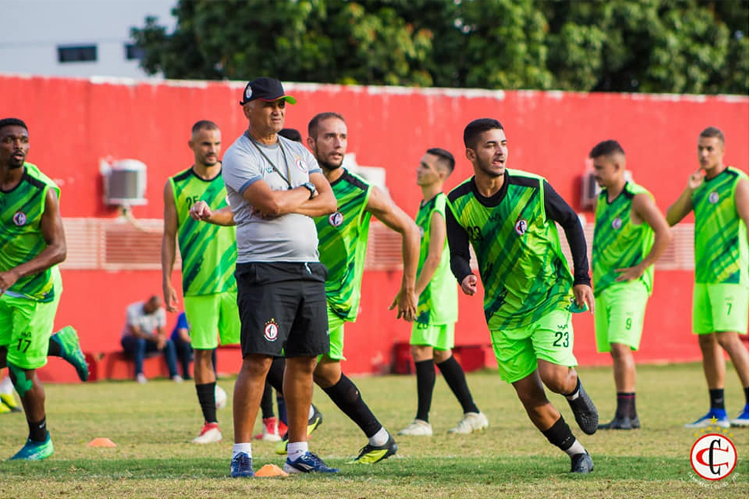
(209, 434)
(177, 378)
(141, 378)
(417, 428)
(472, 422)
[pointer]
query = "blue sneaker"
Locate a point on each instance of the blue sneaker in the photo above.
(242, 465)
(71, 351)
(308, 462)
(742, 419)
(34, 450)
(714, 417)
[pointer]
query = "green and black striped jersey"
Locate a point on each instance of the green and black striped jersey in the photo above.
(438, 303)
(523, 270)
(342, 243)
(618, 242)
(721, 253)
(21, 239)
(208, 252)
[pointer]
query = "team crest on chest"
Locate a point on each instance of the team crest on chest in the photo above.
(714, 197)
(300, 164)
(19, 218)
(421, 232)
(521, 226)
(336, 219)
(617, 223)
(271, 331)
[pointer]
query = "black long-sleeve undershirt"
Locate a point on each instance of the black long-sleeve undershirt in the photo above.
(555, 208)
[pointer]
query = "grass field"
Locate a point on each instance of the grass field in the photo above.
(152, 425)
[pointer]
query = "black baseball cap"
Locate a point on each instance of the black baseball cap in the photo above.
(265, 89)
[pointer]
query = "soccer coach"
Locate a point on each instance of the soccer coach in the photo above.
(274, 187)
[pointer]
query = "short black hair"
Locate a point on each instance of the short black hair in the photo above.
(477, 127)
(13, 122)
(312, 127)
(291, 133)
(445, 156)
(204, 124)
(606, 148)
(713, 132)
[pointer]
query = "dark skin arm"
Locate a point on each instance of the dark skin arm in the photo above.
(55, 251)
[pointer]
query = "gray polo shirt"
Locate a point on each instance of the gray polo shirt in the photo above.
(286, 238)
(148, 323)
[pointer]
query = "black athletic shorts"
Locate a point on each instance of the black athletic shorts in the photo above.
(282, 306)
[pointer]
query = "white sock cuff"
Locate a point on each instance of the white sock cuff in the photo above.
(242, 448)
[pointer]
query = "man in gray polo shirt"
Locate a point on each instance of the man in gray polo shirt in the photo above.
(274, 187)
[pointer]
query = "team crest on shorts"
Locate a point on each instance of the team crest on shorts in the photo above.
(300, 164)
(19, 218)
(521, 226)
(714, 197)
(336, 219)
(617, 223)
(271, 331)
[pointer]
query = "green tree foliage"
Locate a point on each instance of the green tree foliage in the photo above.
(682, 46)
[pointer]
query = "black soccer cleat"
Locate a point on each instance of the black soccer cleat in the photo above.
(373, 454)
(581, 463)
(621, 423)
(585, 412)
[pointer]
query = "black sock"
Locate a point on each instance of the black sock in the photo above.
(456, 380)
(746, 396)
(38, 430)
(560, 435)
(275, 375)
(626, 404)
(266, 402)
(425, 386)
(717, 398)
(347, 397)
(54, 349)
(207, 400)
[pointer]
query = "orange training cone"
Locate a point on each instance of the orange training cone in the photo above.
(270, 470)
(102, 443)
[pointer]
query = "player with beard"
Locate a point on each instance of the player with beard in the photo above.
(208, 256)
(32, 240)
(718, 194)
(509, 218)
(342, 243)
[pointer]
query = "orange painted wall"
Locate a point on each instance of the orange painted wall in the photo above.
(75, 122)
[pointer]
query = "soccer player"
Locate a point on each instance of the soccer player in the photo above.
(208, 256)
(342, 243)
(719, 196)
(629, 236)
(437, 312)
(31, 241)
(509, 217)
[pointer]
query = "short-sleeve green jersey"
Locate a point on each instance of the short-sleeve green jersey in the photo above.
(21, 239)
(438, 303)
(618, 242)
(523, 270)
(342, 243)
(55, 270)
(721, 254)
(208, 252)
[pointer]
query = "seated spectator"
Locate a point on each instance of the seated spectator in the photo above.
(144, 333)
(181, 339)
